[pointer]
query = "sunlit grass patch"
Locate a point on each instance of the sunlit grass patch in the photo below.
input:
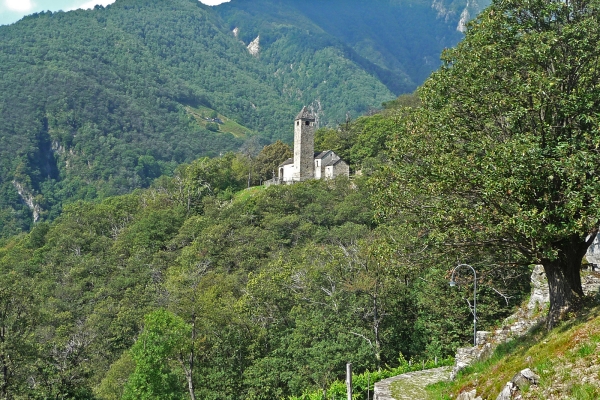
(566, 360)
(201, 113)
(244, 195)
(585, 391)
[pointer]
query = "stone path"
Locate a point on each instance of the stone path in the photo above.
(410, 386)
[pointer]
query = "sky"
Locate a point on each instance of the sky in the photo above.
(13, 10)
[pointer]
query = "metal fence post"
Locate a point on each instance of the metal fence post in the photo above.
(349, 380)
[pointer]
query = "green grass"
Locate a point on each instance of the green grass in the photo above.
(585, 392)
(244, 195)
(228, 125)
(585, 350)
(560, 357)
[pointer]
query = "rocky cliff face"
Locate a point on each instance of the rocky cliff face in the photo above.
(472, 8)
(28, 199)
(254, 46)
(464, 11)
(593, 253)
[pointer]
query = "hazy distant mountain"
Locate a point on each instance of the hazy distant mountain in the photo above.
(398, 41)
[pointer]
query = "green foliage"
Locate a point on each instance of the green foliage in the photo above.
(163, 337)
(212, 126)
(305, 26)
(113, 383)
(499, 163)
(269, 159)
(362, 384)
(361, 142)
(18, 316)
(404, 100)
(97, 103)
(269, 292)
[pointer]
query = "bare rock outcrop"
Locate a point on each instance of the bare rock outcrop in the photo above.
(28, 199)
(413, 384)
(468, 395)
(520, 380)
(540, 293)
(254, 46)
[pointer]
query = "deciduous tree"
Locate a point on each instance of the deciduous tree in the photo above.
(164, 336)
(503, 157)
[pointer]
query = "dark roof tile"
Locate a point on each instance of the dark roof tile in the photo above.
(305, 114)
(287, 162)
(322, 154)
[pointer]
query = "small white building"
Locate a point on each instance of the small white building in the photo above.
(328, 165)
(307, 164)
(593, 253)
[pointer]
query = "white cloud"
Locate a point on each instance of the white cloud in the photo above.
(19, 5)
(213, 2)
(91, 4)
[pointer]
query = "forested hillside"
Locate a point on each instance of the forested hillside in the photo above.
(99, 102)
(398, 42)
(199, 287)
(195, 286)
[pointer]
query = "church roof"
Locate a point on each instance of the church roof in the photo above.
(335, 162)
(287, 162)
(321, 154)
(305, 114)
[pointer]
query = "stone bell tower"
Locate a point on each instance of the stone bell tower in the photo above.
(304, 146)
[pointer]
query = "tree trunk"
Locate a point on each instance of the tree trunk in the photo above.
(564, 278)
(190, 381)
(4, 362)
(190, 375)
(376, 321)
(187, 363)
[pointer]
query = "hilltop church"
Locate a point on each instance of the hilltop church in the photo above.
(307, 164)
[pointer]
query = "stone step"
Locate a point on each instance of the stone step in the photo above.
(412, 383)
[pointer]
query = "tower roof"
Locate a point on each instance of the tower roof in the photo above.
(305, 114)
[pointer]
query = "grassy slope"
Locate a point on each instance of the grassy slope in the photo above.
(200, 114)
(567, 359)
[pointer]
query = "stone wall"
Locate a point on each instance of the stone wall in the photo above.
(516, 325)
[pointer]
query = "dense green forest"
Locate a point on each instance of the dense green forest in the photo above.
(397, 42)
(197, 285)
(97, 103)
(203, 284)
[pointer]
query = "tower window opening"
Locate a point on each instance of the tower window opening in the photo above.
(307, 123)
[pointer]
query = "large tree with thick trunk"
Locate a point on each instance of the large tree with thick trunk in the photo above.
(504, 155)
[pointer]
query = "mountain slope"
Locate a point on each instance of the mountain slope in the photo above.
(86, 94)
(100, 102)
(399, 42)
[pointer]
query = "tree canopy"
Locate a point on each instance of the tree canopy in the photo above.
(502, 158)
(101, 102)
(198, 287)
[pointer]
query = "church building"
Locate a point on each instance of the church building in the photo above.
(307, 164)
